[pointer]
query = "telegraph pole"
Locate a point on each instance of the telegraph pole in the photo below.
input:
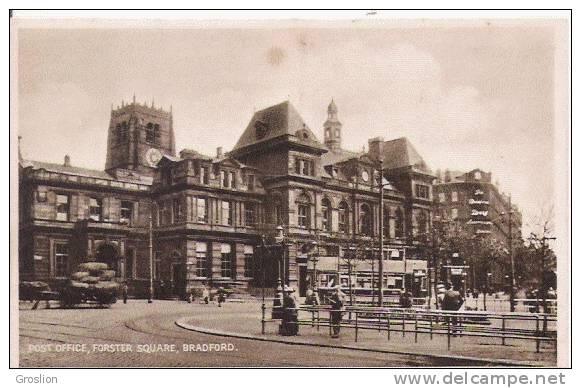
(380, 231)
(510, 252)
(150, 300)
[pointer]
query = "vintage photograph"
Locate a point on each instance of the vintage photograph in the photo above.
(364, 191)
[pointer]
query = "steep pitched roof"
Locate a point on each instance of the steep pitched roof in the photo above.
(338, 156)
(276, 121)
(401, 153)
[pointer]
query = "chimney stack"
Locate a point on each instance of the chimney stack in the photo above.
(67, 161)
(219, 152)
(376, 146)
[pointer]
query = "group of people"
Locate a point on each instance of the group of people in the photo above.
(290, 324)
(207, 295)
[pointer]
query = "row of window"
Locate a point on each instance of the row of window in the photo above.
(223, 212)
(453, 194)
(152, 133)
(365, 218)
(95, 209)
(227, 178)
(304, 167)
(202, 266)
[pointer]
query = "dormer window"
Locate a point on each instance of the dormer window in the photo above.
(261, 129)
(477, 175)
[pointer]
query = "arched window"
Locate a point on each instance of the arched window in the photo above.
(304, 211)
(366, 220)
(326, 210)
(156, 134)
(343, 217)
(149, 133)
(398, 223)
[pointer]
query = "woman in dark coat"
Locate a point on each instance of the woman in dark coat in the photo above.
(290, 316)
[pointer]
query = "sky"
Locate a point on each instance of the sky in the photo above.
(468, 95)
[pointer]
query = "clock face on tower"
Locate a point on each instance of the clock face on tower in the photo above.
(153, 156)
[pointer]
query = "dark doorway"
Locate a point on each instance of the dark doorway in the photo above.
(178, 279)
(129, 263)
(303, 280)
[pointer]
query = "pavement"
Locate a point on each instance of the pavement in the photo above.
(139, 334)
(244, 321)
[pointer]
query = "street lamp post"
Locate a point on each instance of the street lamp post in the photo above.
(510, 253)
(380, 300)
(150, 299)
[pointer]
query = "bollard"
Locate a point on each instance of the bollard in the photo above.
(431, 328)
(263, 317)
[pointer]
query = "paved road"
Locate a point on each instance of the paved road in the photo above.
(117, 337)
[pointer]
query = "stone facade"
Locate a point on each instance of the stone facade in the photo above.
(215, 219)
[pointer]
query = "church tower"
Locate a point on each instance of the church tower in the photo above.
(332, 128)
(139, 135)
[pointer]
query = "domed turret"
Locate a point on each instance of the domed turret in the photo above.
(332, 128)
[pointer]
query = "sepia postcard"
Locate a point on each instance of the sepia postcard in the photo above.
(252, 189)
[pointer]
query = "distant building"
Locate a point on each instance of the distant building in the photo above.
(473, 203)
(214, 218)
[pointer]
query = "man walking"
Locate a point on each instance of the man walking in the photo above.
(452, 302)
(336, 302)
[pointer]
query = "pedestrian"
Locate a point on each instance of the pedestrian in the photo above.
(205, 294)
(190, 295)
(452, 301)
(336, 301)
(125, 291)
(405, 300)
(221, 296)
(290, 325)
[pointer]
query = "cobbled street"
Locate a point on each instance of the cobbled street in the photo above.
(141, 324)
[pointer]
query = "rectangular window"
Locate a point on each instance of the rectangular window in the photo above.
(201, 259)
(202, 210)
(61, 259)
(62, 207)
(231, 180)
(177, 210)
(204, 175)
(157, 266)
(297, 166)
(248, 261)
(227, 213)
(454, 213)
(442, 197)
(250, 182)
(95, 207)
(250, 213)
(223, 179)
(226, 262)
(126, 212)
(454, 196)
(422, 191)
